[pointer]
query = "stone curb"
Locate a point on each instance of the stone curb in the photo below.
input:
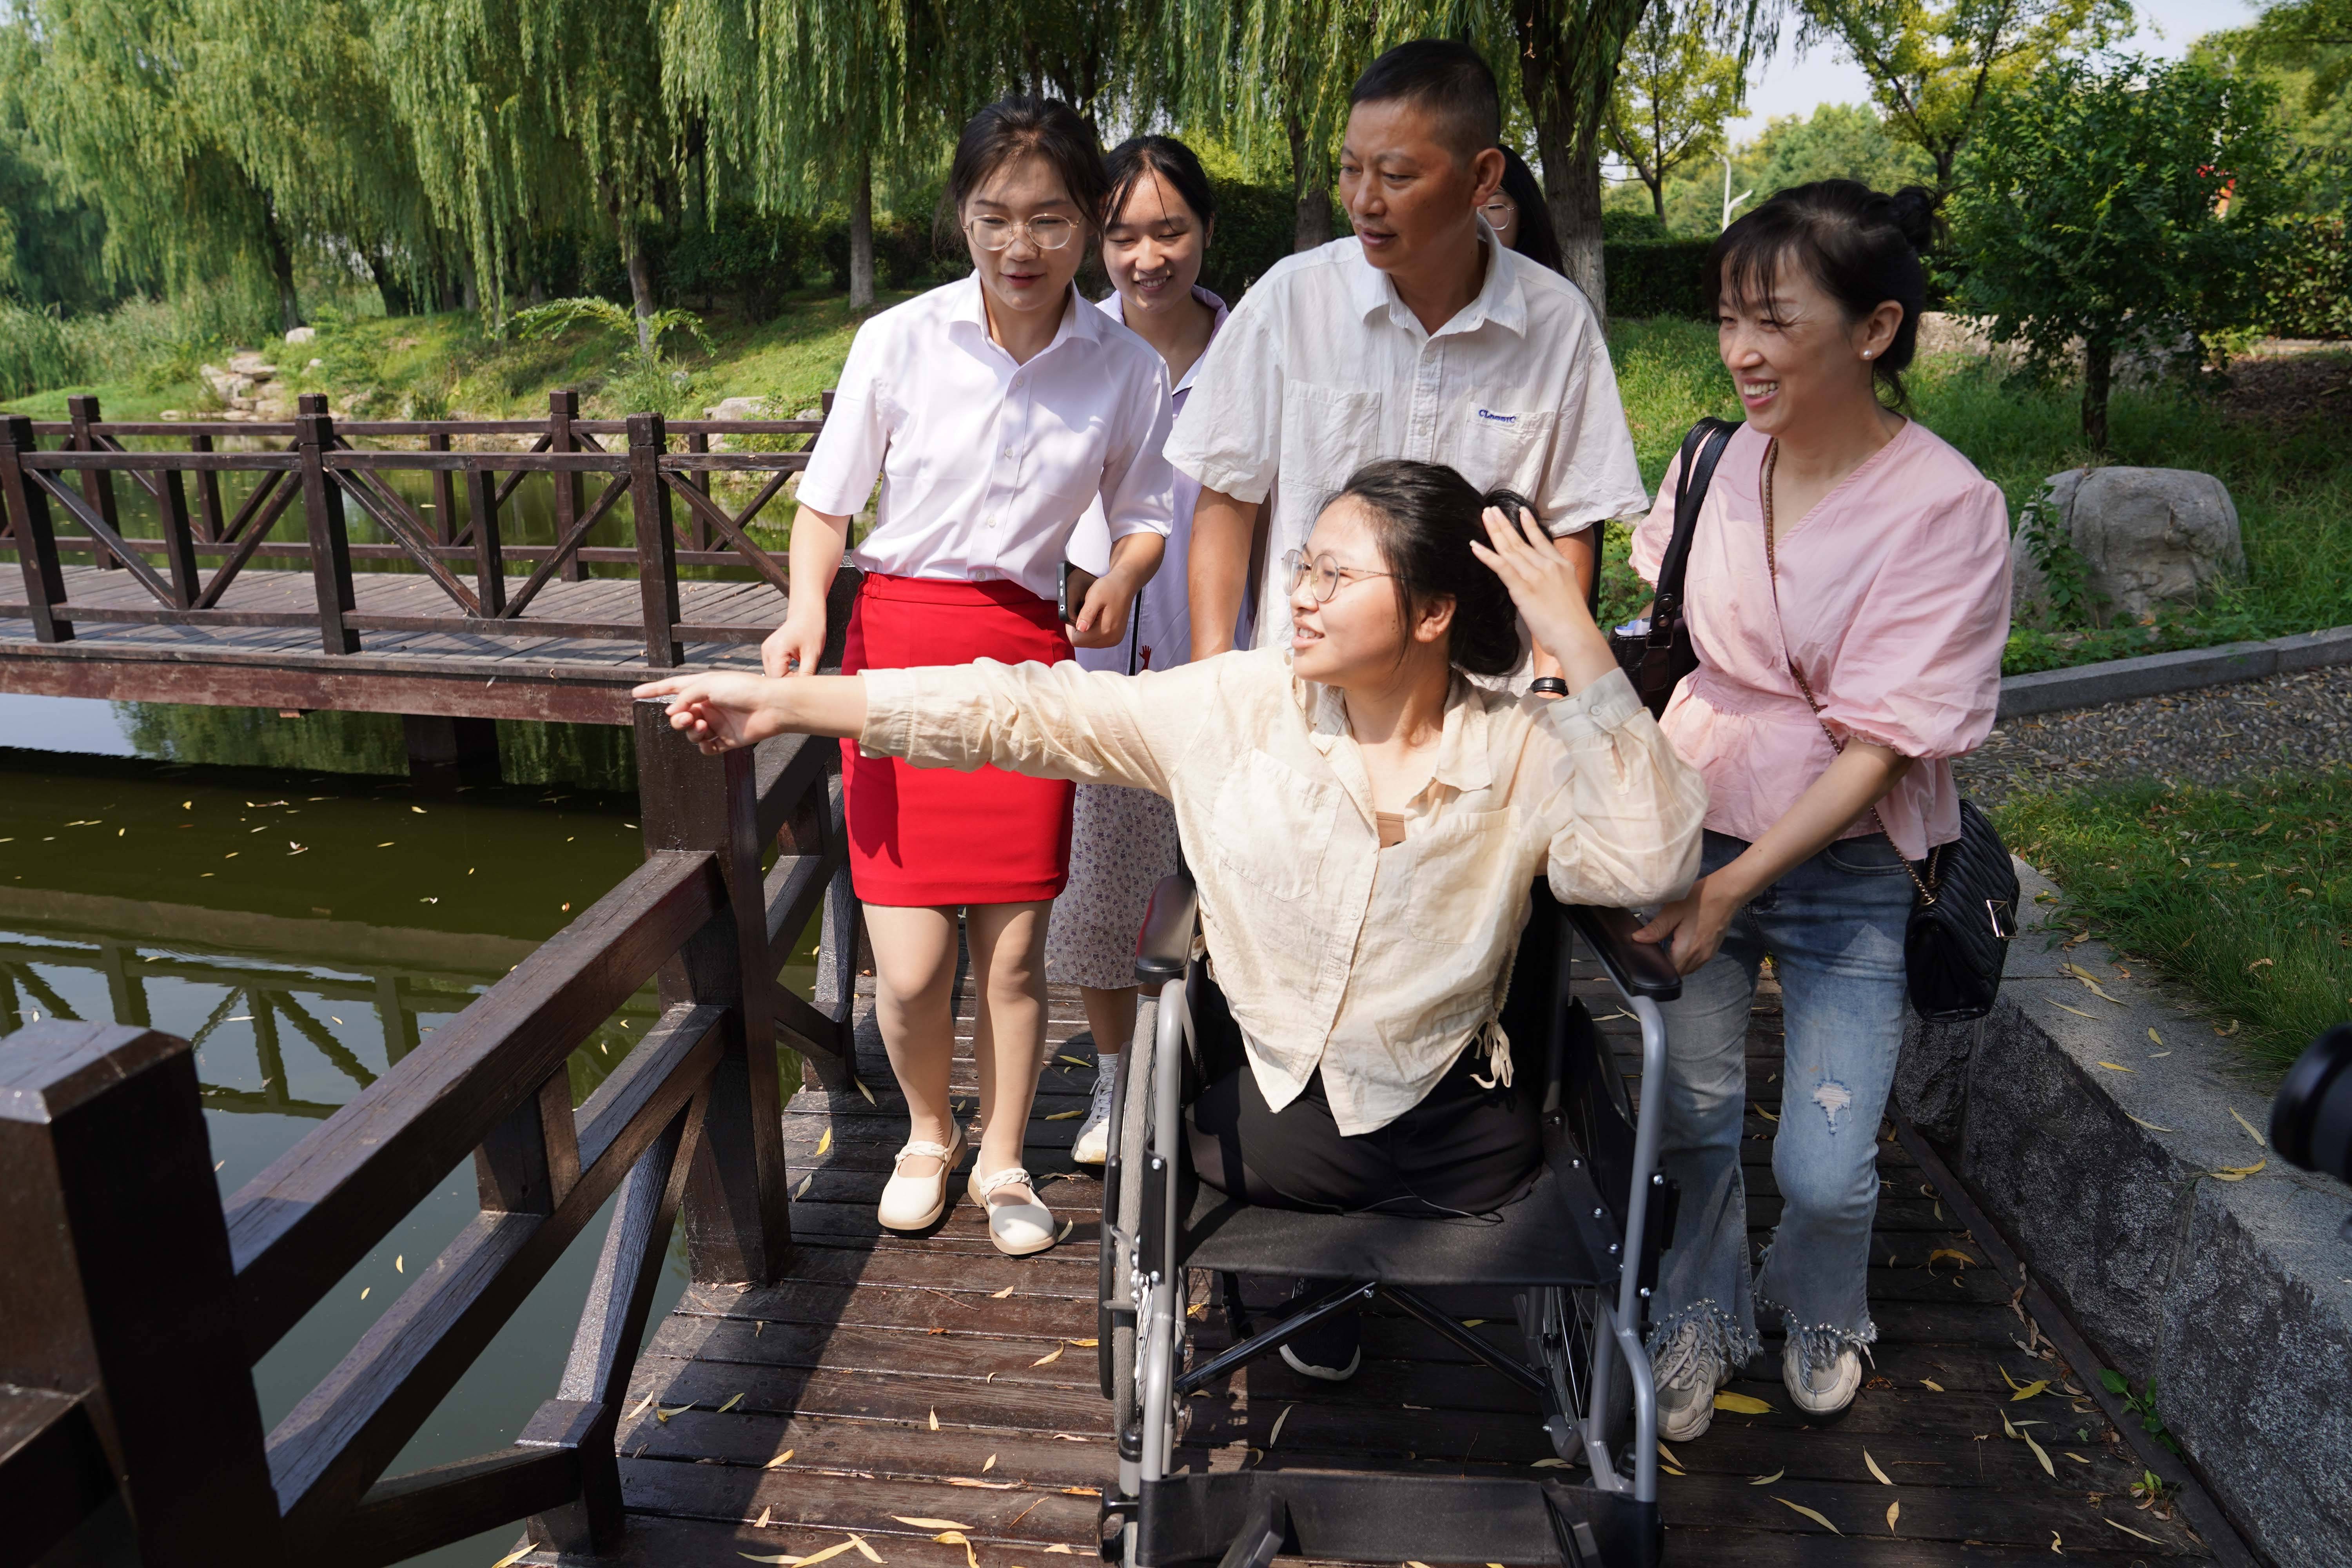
(2236, 1296)
(2156, 674)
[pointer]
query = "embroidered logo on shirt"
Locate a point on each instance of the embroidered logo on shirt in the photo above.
(1494, 418)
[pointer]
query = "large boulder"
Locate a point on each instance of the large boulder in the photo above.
(2148, 538)
(302, 335)
(248, 363)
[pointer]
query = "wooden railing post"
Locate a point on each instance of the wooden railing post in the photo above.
(445, 493)
(322, 511)
(489, 558)
(118, 1285)
(179, 540)
(657, 548)
(36, 537)
(562, 408)
(738, 1207)
(208, 499)
(97, 484)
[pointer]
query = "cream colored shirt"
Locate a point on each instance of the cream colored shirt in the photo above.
(1376, 965)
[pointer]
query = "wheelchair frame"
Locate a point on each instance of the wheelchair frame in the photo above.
(1161, 1520)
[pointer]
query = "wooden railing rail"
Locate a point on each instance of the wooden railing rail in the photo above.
(60, 501)
(135, 1303)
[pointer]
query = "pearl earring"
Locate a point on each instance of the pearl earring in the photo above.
(1866, 353)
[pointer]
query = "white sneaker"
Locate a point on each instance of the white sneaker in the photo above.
(916, 1202)
(1821, 1390)
(1018, 1224)
(1687, 1372)
(1093, 1147)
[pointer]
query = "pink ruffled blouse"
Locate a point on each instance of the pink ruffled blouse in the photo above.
(1893, 599)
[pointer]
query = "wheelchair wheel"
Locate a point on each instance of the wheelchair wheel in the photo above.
(1562, 1327)
(1134, 1135)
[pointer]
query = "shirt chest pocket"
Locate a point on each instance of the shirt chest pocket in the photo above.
(1061, 454)
(1451, 884)
(1506, 448)
(1273, 826)
(1326, 434)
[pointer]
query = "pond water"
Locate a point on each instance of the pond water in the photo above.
(306, 924)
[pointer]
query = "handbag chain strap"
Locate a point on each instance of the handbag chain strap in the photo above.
(1772, 576)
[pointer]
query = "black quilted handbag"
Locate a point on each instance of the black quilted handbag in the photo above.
(1657, 661)
(1956, 943)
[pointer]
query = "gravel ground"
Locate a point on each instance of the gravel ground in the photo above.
(2302, 720)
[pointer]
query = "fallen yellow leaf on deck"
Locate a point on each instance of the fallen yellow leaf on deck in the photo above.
(2157, 1037)
(824, 1143)
(935, 1417)
(1767, 1481)
(2239, 1173)
(2115, 1066)
(864, 1090)
(1000, 1295)
(1808, 1513)
(2128, 1529)
(802, 1190)
(1931, 1383)
(2260, 1141)
(1063, 1551)
(762, 1523)
(2076, 1457)
(1076, 1061)
(1742, 1404)
(1548, 1465)
(865, 1551)
(1063, 1234)
(931, 1523)
(2053, 1543)
(1049, 1357)
(1961, 1258)
(1084, 1345)
(1276, 1435)
(957, 1538)
(989, 1465)
(2047, 1467)
(663, 1415)
(1065, 1116)
(639, 1408)
(830, 1551)
(2027, 1391)
(2076, 1011)
(731, 1404)
(783, 1458)
(1894, 1512)
(1874, 1470)
(991, 1486)
(1668, 1453)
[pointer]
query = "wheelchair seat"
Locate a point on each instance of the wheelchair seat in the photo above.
(1564, 1249)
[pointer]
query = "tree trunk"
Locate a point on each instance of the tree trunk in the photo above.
(641, 284)
(469, 293)
(1572, 190)
(398, 299)
(282, 271)
(2098, 376)
(1658, 196)
(861, 237)
(1310, 195)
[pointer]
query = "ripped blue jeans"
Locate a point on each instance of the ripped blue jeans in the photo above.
(1834, 927)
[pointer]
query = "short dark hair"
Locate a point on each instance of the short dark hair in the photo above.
(1537, 239)
(1424, 516)
(1861, 246)
(1452, 80)
(1015, 127)
(1171, 161)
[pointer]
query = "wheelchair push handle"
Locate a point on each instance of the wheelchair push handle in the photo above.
(1639, 968)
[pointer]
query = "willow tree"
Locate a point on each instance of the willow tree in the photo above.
(106, 90)
(1676, 87)
(528, 113)
(805, 100)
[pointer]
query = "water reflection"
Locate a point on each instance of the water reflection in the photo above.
(307, 930)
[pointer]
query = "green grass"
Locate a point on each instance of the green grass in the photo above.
(2292, 484)
(2243, 895)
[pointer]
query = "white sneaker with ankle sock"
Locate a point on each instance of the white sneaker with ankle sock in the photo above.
(916, 1202)
(1821, 1390)
(1018, 1228)
(1093, 1147)
(1688, 1371)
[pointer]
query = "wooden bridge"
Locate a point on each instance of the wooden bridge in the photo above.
(824, 1390)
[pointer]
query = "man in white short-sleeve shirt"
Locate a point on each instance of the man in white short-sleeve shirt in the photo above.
(1419, 336)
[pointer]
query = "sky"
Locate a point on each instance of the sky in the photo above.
(1792, 85)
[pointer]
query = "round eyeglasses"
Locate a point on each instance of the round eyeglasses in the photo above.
(1324, 574)
(1500, 210)
(994, 234)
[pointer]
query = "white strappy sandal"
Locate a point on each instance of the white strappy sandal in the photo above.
(916, 1202)
(1018, 1228)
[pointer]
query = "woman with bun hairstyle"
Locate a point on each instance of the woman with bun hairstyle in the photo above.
(1156, 230)
(995, 411)
(1363, 823)
(1847, 591)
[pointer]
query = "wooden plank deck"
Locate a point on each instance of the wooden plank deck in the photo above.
(890, 1373)
(546, 667)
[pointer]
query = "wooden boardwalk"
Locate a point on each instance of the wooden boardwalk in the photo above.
(574, 657)
(895, 1379)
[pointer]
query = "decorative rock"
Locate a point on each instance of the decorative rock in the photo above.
(2148, 537)
(737, 408)
(248, 362)
(302, 335)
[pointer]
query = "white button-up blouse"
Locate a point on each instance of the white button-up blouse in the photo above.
(1375, 965)
(986, 465)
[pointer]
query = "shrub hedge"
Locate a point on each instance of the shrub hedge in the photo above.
(2309, 293)
(1657, 278)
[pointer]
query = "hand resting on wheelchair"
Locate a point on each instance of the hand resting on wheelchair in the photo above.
(1363, 823)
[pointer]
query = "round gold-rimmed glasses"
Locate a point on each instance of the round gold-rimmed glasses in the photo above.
(1499, 210)
(993, 234)
(1325, 574)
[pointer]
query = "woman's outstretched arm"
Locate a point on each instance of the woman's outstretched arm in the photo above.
(719, 713)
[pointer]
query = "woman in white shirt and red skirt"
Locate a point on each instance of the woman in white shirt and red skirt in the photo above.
(994, 411)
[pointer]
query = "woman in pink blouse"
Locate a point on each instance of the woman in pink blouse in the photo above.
(1848, 595)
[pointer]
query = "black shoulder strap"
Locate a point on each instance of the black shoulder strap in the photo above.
(1702, 450)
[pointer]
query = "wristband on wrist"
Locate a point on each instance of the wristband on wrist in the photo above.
(1550, 685)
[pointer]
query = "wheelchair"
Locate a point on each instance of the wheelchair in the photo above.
(1579, 1251)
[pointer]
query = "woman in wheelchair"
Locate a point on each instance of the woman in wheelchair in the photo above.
(1363, 825)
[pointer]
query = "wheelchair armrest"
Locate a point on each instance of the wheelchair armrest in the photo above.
(1165, 944)
(1639, 968)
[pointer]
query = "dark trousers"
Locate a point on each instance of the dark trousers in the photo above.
(1464, 1149)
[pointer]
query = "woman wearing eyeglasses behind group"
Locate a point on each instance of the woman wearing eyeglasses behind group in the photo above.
(994, 411)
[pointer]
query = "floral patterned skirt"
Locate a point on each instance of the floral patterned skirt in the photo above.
(1122, 841)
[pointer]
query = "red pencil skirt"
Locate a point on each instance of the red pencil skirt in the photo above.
(939, 835)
